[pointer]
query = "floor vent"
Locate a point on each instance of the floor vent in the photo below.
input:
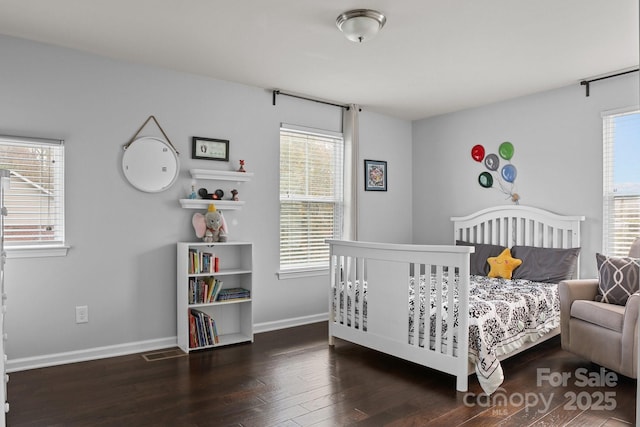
(163, 355)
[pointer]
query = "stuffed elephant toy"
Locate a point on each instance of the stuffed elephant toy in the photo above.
(211, 226)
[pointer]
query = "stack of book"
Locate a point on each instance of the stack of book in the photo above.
(202, 329)
(233, 293)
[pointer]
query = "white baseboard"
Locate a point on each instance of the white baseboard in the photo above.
(289, 323)
(43, 361)
(25, 363)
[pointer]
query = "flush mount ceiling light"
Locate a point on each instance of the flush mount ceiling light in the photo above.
(359, 25)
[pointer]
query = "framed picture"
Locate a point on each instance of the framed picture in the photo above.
(375, 175)
(210, 149)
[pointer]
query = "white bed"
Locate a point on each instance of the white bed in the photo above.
(387, 274)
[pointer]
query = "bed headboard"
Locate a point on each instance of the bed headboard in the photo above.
(519, 225)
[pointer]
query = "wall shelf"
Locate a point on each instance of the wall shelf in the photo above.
(216, 175)
(227, 205)
(220, 175)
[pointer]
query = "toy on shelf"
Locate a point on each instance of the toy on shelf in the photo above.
(210, 227)
(216, 195)
(193, 195)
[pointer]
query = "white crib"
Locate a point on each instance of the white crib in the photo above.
(389, 269)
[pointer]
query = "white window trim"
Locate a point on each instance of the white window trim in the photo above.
(299, 273)
(36, 252)
(312, 131)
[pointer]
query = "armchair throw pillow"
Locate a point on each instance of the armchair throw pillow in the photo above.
(618, 278)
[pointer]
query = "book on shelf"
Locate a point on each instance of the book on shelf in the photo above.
(211, 285)
(202, 329)
(233, 293)
(202, 262)
(204, 290)
(193, 335)
(216, 291)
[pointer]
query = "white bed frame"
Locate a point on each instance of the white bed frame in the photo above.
(387, 268)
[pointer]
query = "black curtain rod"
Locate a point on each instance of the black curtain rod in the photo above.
(587, 82)
(277, 92)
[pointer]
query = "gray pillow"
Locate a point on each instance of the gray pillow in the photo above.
(549, 265)
(618, 278)
(478, 259)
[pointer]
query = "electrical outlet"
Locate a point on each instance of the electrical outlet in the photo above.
(82, 314)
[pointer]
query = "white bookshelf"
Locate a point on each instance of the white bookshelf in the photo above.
(233, 318)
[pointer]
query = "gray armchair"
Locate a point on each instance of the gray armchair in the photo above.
(603, 333)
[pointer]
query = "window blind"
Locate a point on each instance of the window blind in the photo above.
(35, 199)
(311, 170)
(621, 180)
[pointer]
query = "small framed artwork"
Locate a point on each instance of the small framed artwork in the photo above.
(210, 149)
(375, 175)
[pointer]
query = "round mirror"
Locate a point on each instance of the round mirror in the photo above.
(150, 164)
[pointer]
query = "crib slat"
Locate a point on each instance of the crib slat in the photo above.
(450, 308)
(438, 302)
(343, 300)
(486, 236)
(361, 280)
(347, 293)
(428, 280)
(333, 272)
(545, 236)
(338, 279)
(522, 231)
(415, 341)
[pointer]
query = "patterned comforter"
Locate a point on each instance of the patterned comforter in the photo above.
(503, 316)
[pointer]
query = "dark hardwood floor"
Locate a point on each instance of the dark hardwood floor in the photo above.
(293, 378)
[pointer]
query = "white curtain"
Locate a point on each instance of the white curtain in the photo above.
(351, 131)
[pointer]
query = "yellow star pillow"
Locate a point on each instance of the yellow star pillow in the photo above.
(503, 264)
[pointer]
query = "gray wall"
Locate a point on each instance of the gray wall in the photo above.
(557, 136)
(122, 257)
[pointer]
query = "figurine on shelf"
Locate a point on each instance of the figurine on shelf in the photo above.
(193, 192)
(241, 166)
(234, 195)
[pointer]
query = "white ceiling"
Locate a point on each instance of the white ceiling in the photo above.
(432, 57)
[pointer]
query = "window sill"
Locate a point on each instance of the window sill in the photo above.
(36, 252)
(299, 273)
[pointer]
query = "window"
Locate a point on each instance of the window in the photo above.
(621, 175)
(311, 203)
(35, 199)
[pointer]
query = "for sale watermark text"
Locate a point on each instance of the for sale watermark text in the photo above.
(585, 399)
